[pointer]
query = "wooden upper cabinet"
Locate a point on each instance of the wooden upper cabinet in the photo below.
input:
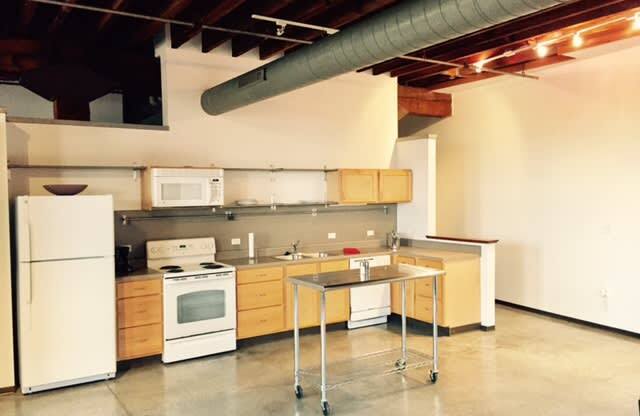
(366, 186)
(353, 186)
(396, 185)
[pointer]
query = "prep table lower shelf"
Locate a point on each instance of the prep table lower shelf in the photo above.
(378, 363)
(387, 362)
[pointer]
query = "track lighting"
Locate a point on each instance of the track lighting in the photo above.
(542, 50)
(577, 40)
(478, 66)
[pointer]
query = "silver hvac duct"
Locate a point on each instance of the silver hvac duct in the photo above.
(409, 26)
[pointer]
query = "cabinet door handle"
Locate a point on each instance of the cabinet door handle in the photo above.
(143, 340)
(262, 295)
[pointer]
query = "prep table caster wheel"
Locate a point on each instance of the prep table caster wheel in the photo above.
(433, 376)
(401, 364)
(326, 409)
(299, 392)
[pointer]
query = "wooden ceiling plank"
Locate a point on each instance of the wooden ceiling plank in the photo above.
(171, 10)
(212, 39)
(61, 16)
(26, 15)
(180, 35)
(335, 19)
(509, 33)
(299, 12)
(107, 18)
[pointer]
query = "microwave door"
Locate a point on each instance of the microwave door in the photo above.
(181, 192)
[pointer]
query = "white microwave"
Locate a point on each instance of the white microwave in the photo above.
(182, 187)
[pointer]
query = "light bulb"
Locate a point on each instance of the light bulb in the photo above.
(577, 40)
(636, 22)
(478, 66)
(542, 50)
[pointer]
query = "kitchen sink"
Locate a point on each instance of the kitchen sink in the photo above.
(300, 256)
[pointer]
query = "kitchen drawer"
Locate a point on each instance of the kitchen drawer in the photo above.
(141, 341)
(424, 287)
(262, 321)
(139, 288)
(434, 264)
(334, 266)
(259, 275)
(405, 260)
(259, 295)
(142, 310)
(423, 309)
(302, 269)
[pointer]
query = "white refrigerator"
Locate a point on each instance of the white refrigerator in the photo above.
(66, 290)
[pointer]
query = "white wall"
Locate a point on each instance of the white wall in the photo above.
(6, 325)
(20, 102)
(551, 168)
(417, 219)
(349, 121)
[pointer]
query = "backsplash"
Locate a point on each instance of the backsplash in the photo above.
(272, 230)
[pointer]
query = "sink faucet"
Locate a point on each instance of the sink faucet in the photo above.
(295, 246)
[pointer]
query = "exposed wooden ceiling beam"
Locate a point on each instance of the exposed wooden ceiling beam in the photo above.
(422, 102)
(62, 14)
(299, 11)
(509, 33)
(171, 10)
(242, 21)
(337, 18)
(600, 36)
(107, 18)
(26, 15)
(180, 35)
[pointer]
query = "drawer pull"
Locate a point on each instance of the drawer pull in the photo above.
(142, 311)
(263, 321)
(262, 295)
(143, 340)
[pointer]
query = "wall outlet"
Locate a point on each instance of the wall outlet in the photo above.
(371, 233)
(235, 242)
(331, 236)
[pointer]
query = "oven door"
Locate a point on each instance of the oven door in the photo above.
(178, 191)
(197, 305)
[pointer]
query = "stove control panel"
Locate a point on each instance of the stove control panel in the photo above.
(180, 248)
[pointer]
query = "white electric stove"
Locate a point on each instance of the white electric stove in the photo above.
(199, 299)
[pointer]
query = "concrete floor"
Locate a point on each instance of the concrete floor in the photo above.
(531, 365)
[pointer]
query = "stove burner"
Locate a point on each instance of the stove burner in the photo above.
(176, 270)
(212, 266)
(169, 267)
(207, 263)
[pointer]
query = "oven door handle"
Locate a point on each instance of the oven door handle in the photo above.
(193, 279)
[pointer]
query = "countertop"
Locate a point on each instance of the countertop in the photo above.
(438, 255)
(142, 273)
(351, 278)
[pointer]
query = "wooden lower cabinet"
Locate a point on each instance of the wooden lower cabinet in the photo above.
(263, 321)
(339, 301)
(140, 341)
(458, 292)
(139, 306)
(265, 299)
(396, 290)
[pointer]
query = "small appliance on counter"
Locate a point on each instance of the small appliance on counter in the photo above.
(182, 187)
(65, 290)
(122, 260)
(393, 241)
(199, 299)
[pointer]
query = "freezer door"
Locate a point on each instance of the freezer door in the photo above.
(64, 227)
(66, 320)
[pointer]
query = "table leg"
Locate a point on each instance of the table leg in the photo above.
(434, 371)
(324, 404)
(404, 323)
(296, 344)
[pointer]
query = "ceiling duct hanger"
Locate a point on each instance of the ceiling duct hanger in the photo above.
(281, 24)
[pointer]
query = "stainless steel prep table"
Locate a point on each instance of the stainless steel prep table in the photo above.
(326, 282)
